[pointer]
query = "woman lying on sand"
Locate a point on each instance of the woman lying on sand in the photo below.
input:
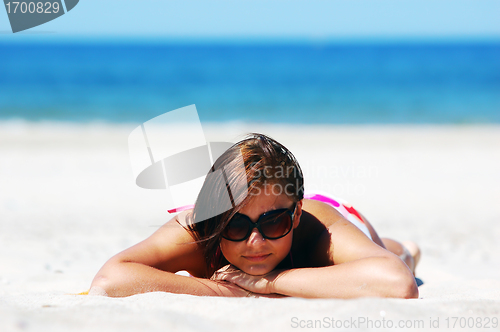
(253, 232)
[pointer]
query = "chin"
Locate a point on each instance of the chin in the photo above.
(257, 270)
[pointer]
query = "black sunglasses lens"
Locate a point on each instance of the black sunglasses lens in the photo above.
(273, 225)
(237, 228)
(276, 226)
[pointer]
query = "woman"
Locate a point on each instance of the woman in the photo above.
(252, 233)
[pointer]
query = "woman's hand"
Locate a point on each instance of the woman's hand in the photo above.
(228, 289)
(256, 285)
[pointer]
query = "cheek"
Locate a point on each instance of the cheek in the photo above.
(229, 249)
(285, 245)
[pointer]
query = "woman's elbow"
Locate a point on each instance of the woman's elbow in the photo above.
(101, 285)
(394, 279)
(402, 284)
(109, 280)
(405, 289)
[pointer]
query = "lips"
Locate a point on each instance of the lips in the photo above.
(257, 258)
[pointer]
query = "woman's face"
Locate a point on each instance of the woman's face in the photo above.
(257, 255)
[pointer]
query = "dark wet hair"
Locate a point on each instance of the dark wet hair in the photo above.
(238, 173)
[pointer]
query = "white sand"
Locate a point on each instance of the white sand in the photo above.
(68, 202)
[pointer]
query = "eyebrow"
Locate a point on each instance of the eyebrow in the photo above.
(291, 208)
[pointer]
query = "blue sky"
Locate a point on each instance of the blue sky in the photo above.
(272, 19)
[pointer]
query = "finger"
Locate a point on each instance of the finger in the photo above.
(217, 275)
(231, 268)
(222, 269)
(223, 276)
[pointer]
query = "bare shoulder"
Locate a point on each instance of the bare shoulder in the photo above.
(331, 239)
(325, 213)
(311, 239)
(175, 231)
(171, 248)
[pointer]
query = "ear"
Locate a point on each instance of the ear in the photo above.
(298, 214)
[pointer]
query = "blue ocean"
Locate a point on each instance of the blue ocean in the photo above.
(350, 83)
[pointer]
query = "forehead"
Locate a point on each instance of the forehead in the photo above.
(266, 200)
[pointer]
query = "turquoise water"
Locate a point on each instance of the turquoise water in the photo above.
(302, 83)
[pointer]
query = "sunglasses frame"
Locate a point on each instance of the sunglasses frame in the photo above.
(257, 224)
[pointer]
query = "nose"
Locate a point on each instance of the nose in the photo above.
(256, 238)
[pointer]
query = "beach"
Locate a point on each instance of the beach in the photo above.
(68, 202)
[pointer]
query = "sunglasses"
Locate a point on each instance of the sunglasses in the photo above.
(272, 225)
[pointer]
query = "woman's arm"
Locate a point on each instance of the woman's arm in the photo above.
(358, 268)
(118, 279)
(367, 277)
(151, 265)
